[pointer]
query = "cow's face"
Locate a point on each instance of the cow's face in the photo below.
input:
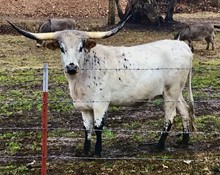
(74, 47)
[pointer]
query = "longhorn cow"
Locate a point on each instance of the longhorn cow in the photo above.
(100, 76)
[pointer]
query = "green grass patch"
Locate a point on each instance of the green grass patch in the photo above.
(21, 74)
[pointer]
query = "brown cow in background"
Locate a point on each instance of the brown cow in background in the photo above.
(198, 32)
(55, 24)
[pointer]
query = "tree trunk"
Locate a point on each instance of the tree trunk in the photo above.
(216, 3)
(111, 12)
(142, 11)
(170, 10)
(119, 9)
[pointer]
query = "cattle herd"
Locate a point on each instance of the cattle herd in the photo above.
(100, 76)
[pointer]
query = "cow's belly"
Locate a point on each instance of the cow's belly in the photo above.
(136, 94)
(128, 93)
(140, 86)
(199, 38)
(82, 105)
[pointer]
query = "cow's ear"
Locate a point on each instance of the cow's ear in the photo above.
(89, 44)
(52, 45)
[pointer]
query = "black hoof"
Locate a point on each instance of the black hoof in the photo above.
(185, 140)
(97, 154)
(181, 144)
(160, 146)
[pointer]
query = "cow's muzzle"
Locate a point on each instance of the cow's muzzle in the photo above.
(72, 69)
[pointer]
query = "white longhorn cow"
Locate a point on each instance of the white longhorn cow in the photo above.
(100, 75)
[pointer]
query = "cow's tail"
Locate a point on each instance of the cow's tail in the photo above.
(178, 37)
(191, 109)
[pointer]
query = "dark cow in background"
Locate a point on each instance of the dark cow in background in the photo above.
(53, 25)
(198, 32)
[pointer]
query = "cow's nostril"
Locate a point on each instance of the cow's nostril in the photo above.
(71, 68)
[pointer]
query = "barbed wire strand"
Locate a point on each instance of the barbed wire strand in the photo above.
(122, 68)
(109, 129)
(61, 157)
(105, 101)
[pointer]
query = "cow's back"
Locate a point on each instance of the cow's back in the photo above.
(196, 32)
(62, 24)
(44, 27)
(55, 24)
(201, 31)
(159, 54)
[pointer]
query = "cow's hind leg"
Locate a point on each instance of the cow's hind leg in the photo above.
(207, 42)
(170, 113)
(210, 40)
(88, 126)
(183, 110)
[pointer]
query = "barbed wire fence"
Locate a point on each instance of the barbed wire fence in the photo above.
(24, 115)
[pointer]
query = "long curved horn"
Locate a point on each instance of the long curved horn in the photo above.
(107, 33)
(34, 36)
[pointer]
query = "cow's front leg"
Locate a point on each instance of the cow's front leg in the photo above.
(99, 114)
(98, 145)
(88, 126)
(191, 45)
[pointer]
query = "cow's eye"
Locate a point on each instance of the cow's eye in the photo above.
(81, 45)
(80, 48)
(62, 48)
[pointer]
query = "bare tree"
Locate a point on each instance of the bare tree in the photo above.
(119, 9)
(111, 12)
(170, 10)
(146, 11)
(216, 3)
(142, 11)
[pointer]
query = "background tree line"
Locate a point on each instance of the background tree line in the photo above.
(148, 11)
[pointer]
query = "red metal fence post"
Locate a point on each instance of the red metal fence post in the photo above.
(44, 120)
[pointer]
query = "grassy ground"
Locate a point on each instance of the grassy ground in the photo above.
(127, 130)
